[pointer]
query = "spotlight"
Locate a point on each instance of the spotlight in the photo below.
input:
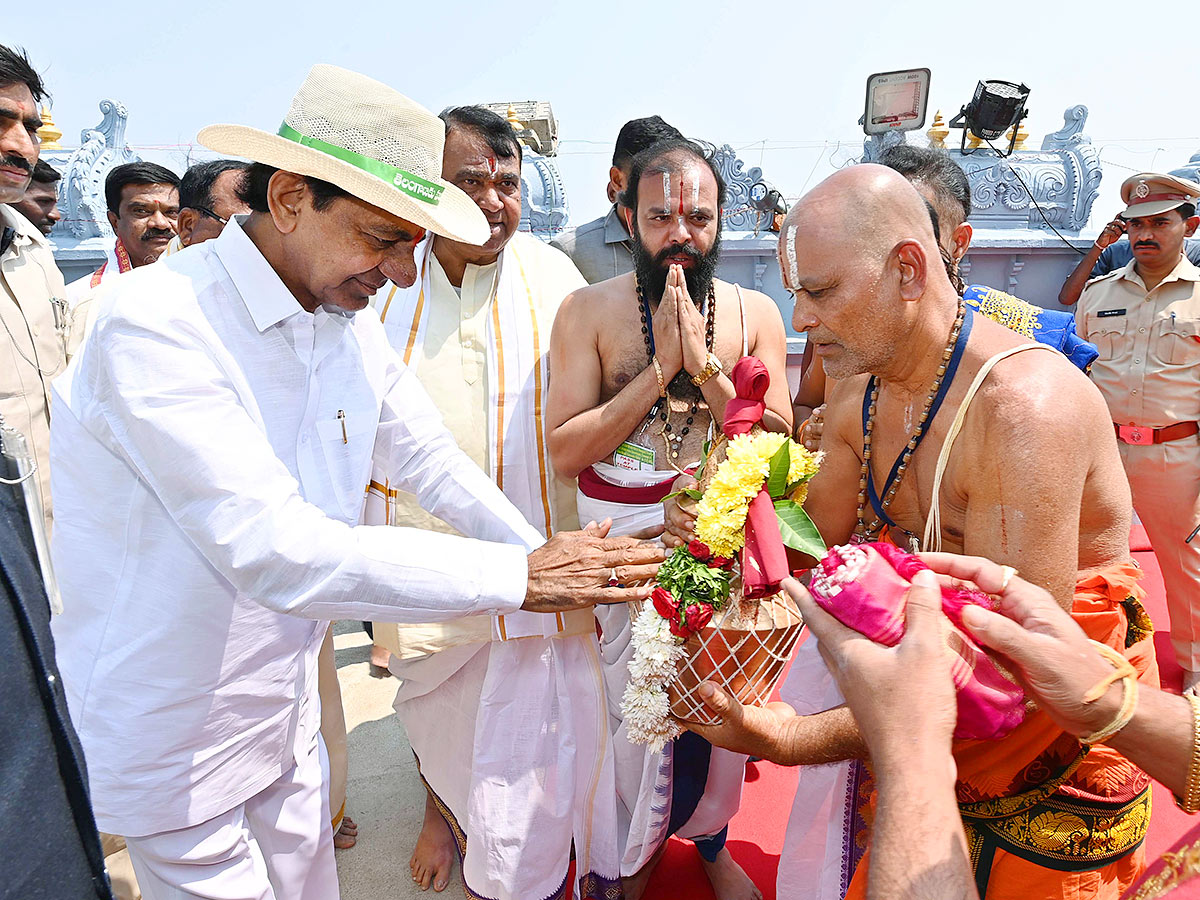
(766, 199)
(996, 107)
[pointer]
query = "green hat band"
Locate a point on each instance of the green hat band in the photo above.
(412, 185)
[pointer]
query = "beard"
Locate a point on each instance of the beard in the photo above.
(652, 274)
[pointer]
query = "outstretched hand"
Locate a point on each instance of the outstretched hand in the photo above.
(898, 694)
(574, 569)
(1036, 640)
(755, 731)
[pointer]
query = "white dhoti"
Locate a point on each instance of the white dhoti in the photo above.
(505, 714)
(514, 748)
(819, 848)
(690, 788)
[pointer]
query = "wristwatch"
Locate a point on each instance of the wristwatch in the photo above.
(712, 366)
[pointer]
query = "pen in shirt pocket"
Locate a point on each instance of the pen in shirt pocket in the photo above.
(342, 418)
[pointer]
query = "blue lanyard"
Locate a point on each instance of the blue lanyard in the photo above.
(956, 355)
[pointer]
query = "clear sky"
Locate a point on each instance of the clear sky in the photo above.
(782, 82)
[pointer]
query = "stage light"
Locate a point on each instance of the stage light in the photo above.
(766, 199)
(996, 107)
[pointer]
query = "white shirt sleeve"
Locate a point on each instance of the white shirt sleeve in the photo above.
(177, 418)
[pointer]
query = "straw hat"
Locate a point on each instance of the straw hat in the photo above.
(369, 140)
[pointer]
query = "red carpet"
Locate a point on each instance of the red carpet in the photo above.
(756, 833)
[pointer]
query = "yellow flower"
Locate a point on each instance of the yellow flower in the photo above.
(721, 512)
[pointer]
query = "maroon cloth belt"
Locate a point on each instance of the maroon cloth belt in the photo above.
(592, 485)
(1136, 434)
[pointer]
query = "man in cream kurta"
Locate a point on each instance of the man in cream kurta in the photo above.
(476, 333)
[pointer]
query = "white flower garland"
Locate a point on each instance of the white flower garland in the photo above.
(645, 706)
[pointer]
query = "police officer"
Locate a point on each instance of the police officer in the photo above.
(1145, 320)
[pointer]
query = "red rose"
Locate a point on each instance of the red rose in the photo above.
(679, 630)
(697, 616)
(720, 562)
(665, 603)
(699, 549)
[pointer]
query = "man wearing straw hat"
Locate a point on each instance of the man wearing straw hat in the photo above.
(211, 443)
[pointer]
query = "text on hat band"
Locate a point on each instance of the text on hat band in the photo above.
(412, 185)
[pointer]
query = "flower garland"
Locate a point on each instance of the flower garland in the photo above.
(694, 582)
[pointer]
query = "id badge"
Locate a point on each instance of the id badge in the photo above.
(634, 457)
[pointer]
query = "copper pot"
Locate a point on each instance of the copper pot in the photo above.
(743, 649)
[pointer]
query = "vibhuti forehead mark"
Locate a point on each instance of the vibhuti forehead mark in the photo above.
(667, 191)
(789, 246)
(695, 188)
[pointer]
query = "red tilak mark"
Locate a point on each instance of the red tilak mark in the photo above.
(681, 194)
(492, 167)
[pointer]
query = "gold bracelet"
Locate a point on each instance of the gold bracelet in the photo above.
(712, 366)
(1191, 794)
(1124, 672)
(658, 373)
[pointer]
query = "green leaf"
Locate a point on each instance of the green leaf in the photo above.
(703, 461)
(777, 476)
(798, 530)
(691, 492)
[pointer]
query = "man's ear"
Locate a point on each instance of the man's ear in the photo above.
(185, 223)
(961, 241)
(616, 183)
(1190, 226)
(287, 195)
(912, 265)
(113, 218)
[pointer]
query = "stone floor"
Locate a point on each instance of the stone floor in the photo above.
(385, 796)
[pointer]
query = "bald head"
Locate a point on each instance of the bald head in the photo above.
(868, 209)
(859, 252)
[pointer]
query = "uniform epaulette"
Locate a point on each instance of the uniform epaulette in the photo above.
(1099, 278)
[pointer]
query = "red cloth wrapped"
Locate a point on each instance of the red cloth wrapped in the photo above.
(764, 558)
(864, 587)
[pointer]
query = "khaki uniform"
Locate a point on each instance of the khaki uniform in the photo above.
(33, 339)
(1149, 373)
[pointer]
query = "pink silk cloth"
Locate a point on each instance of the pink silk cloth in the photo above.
(764, 559)
(864, 587)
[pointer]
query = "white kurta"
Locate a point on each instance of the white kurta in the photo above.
(207, 490)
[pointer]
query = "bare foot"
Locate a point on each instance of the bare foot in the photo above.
(380, 657)
(729, 880)
(635, 885)
(346, 836)
(433, 857)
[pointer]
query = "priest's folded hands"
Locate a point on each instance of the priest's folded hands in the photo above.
(582, 568)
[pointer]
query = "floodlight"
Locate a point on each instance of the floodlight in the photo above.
(996, 107)
(766, 199)
(896, 101)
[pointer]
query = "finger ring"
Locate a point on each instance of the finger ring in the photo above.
(612, 578)
(1007, 572)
